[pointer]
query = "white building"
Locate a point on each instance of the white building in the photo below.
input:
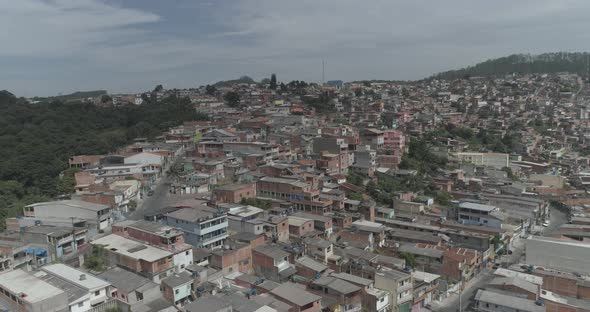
(566, 255)
(203, 227)
(25, 292)
(85, 291)
(495, 160)
(489, 301)
(145, 158)
(65, 210)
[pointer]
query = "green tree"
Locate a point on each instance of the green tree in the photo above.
(510, 174)
(410, 259)
(322, 103)
(38, 139)
(496, 241)
(355, 179)
(159, 88)
(210, 90)
(94, 261)
(443, 198)
(105, 98)
(232, 98)
(355, 196)
(262, 204)
(273, 81)
(67, 182)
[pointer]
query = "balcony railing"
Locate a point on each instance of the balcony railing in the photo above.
(405, 298)
(406, 286)
(351, 308)
(110, 304)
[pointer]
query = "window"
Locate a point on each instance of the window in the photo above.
(186, 253)
(161, 261)
(97, 293)
(176, 291)
(139, 296)
(81, 304)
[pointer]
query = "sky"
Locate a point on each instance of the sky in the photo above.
(51, 47)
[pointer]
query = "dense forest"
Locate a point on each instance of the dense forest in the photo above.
(575, 62)
(76, 96)
(38, 139)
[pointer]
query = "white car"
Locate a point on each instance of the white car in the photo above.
(546, 223)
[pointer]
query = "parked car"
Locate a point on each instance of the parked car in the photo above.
(150, 193)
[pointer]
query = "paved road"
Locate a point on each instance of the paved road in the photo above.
(558, 218)
(451, 304)
(154, 203)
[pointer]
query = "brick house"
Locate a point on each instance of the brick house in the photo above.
(178, 288)
(272, 262)
(148, 261)
(299, 299)
(460, 264)
(320, 223)
(299, 227)
(309, 268)
(234, 193)
(233, 257)
(158, 235)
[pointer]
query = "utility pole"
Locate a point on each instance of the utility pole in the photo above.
(74, 246)
(460, 302)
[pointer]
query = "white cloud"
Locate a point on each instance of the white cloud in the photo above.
(400, 39)
(64, 27)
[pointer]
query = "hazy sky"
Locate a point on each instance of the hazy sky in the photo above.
(59, 46)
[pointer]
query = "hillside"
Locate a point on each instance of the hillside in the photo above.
(576, 62)
(38, 139)
(80, 95)
(229, 83)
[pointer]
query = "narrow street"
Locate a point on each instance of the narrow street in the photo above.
(154, 203)
(452, 303)
(517, 247)
(558, 218)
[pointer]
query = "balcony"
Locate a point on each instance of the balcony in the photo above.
(212, 228)
(209, 240)
(283, 265)
(404, 298)
(357, 307)
(406, 286)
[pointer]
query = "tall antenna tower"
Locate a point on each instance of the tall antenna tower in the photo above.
(588, 66)
(323, 72)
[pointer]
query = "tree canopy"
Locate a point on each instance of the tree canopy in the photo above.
(232, 98)
(210, 90)
(38, 139)
(524, 63)
(273, 81)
